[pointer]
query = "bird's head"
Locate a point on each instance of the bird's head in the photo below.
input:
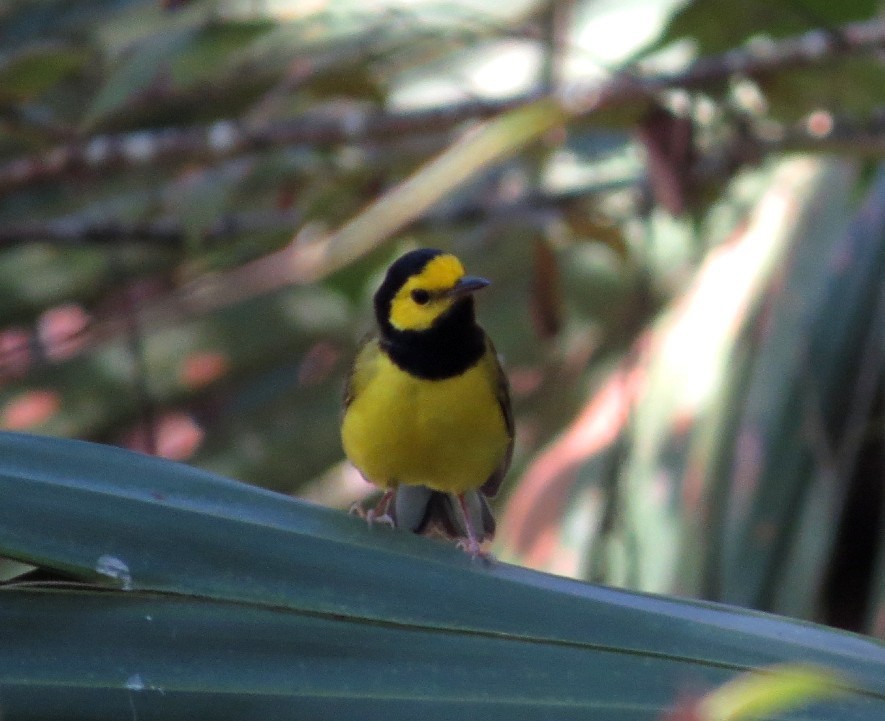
(422, 287)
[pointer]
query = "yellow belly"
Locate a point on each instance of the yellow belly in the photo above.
(447, 434)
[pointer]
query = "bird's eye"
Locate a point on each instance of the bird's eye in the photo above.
(420, 296)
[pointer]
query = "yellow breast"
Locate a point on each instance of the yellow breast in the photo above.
(448, 434)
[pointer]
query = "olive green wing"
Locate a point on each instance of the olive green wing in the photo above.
(362, 369)
(502, 391)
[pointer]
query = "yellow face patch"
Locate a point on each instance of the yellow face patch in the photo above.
(407, 312)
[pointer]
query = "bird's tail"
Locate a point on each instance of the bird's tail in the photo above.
(423, 510)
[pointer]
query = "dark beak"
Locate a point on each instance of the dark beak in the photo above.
(467, 284)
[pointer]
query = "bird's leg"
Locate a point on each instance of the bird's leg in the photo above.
(471, 544)
(379, 513)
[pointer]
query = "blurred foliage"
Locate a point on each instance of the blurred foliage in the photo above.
(197, 200)
(715, 25)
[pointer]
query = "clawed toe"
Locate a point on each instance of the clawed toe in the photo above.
(378, 514)
(471, 547)
(383, 518)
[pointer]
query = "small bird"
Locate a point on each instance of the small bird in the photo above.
(427, 412)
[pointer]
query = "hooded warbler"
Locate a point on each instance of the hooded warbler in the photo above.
(427, 412)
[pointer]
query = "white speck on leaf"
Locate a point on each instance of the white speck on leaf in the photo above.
(113, 567)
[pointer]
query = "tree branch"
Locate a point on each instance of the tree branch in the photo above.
(168, 231)
(226, 137)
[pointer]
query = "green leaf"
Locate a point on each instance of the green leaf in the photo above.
(140, 68)
(223, 599)
(850, 87)
(717, 25)
(37, 67)
(755, 696)
(212, 48)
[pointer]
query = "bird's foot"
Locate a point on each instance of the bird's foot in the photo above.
(372, 517)
(470, 544)
(471, 547)
(378, 514)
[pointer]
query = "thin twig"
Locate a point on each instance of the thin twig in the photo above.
(168, 231)
(867, 140)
